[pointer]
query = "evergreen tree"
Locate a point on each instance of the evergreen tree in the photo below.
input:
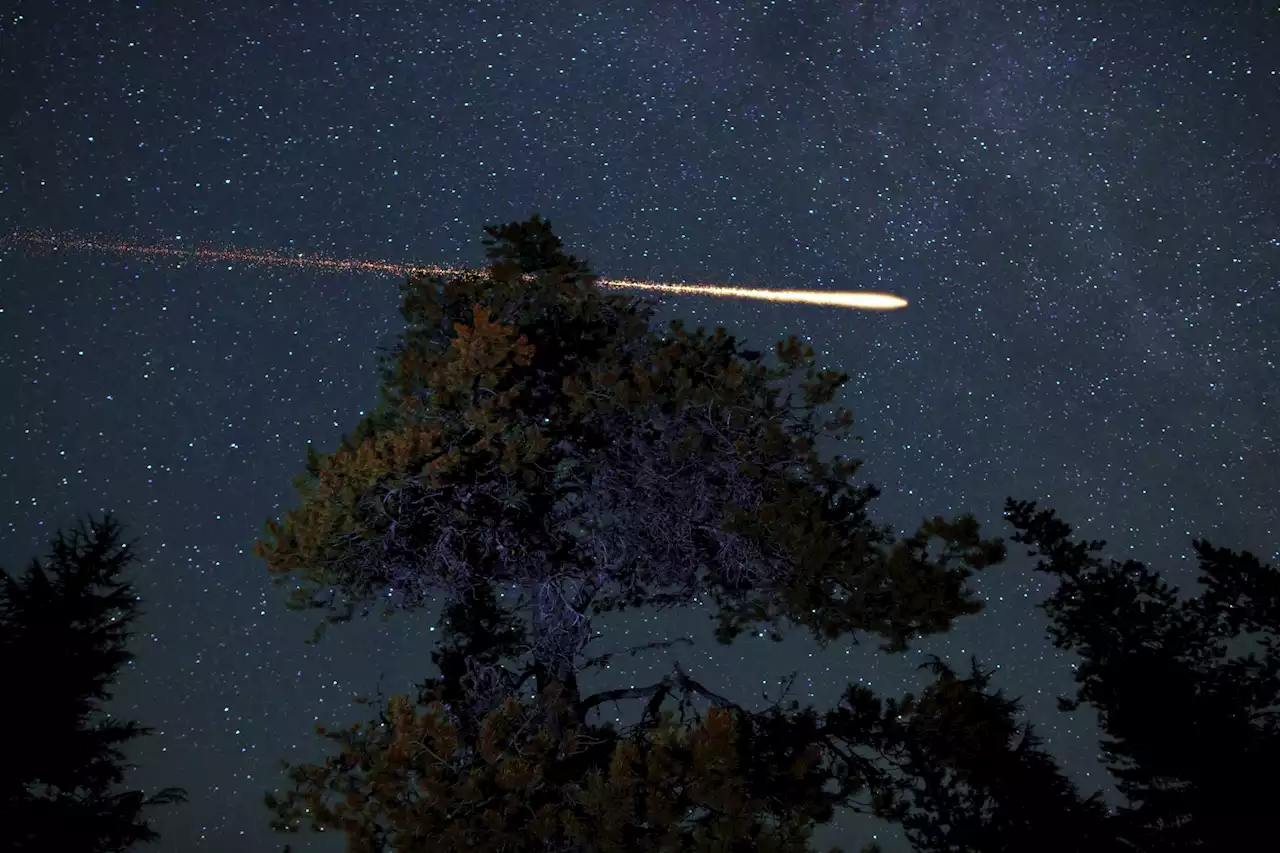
(63, 632)
(967, 778)
(536, 435)
(1191, 727)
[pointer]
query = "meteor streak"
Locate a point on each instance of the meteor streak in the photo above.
(843, 298)
(862, 299)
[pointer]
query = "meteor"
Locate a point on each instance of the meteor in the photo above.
(865, 299)
(859, 299)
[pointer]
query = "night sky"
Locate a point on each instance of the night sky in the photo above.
(1080, 202)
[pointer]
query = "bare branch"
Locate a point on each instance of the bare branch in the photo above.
(691, 685)
(603, 660)
(619, 694)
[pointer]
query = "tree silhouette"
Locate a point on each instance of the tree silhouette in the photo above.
(536, 436)
(967, 777)
(1190, 729)
(63, 630)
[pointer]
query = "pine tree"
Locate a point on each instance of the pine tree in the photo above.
(535, 434)
(1191, 728)
(968, 777)
(63, 632)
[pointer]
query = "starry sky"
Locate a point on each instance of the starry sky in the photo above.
(1079, 201)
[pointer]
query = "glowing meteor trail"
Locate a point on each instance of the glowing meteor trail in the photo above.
(861, 299)
(843, 298)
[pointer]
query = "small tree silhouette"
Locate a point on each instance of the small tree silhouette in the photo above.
(63, 630)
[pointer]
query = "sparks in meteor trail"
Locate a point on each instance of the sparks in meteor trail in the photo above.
(42, 241)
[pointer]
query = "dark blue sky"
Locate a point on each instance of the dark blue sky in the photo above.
(1079, 200)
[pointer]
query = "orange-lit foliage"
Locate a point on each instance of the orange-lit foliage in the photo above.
(524, 785)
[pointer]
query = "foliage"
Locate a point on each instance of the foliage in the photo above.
(491, 758)
(70, 617)
(969, 778)
(475, 765)
(535, 432)
(1190, 736)
(1191, 732)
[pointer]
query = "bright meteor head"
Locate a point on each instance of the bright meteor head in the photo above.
(863, 299)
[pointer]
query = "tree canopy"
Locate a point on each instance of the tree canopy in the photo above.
(535, 431)
(536, 434)
(70, 616)
(1192, 728)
